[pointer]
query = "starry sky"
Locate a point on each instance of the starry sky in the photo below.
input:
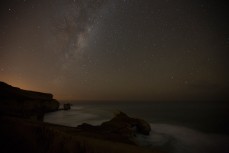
(153, 50)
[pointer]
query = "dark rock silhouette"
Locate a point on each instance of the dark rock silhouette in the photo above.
(130, 124)
(121, 128)
(28, 136)
(67, 106)
(25, 103)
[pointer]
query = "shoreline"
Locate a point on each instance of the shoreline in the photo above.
(23, 129)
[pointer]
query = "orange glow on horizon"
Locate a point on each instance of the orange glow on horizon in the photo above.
(21, 85)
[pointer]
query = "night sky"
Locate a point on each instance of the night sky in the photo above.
(152, 50)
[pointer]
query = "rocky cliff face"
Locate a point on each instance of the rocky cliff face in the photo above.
(121, 128)
(24, 103)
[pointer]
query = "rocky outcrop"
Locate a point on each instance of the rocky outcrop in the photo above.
(122, 121)
(67, 106)
(121, 128)
(24, 103)
(22, 135)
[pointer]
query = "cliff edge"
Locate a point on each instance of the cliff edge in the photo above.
(24, 103)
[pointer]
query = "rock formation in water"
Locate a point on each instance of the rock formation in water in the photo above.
(24, 103)
(67, 106)
(121, 128)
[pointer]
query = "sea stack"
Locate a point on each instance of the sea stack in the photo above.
(67, 106)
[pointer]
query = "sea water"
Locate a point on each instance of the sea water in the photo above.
(177, 127)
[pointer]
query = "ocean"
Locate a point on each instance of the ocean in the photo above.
(177, 127)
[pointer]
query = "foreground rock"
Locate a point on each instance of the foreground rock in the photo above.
(28, 136)
(24, 103)
(121, 128)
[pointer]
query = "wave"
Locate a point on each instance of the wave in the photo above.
(177, 139)
(167, 137)
(78, 115)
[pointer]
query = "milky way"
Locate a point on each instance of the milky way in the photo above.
(116, 49)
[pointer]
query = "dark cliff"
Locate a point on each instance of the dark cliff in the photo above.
(24, 103)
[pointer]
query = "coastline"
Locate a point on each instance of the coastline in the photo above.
(23, 130)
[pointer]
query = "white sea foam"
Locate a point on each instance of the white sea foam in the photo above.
(179, 139)
(78, 115)
(170, 138)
